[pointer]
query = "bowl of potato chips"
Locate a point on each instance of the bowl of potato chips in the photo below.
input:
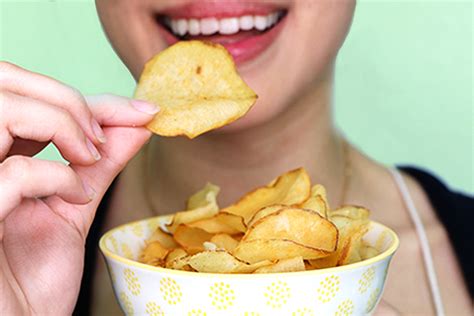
(279, 250)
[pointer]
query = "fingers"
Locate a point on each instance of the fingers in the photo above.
(35, 120)
(122, 145)
(112, 110)
(17, 80)
(25, 177)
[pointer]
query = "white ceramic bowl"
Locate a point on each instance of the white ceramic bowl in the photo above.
(353, 289)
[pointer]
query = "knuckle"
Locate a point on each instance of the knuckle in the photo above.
(5, 99)
(3, 103)
(64, 118)
(68, 124)
(78, 100)
(15, 167)
(6, 68)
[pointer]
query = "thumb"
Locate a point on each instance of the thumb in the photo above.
(122, 145)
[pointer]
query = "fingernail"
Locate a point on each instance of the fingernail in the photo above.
(89, 190)
(93, 150)
(145, 107)
(98, 132)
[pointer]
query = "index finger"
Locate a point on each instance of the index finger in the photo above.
(113, 110)
(46, 89)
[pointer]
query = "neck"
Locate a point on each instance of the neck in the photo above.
(302, 136)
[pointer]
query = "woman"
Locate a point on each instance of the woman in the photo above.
(287, 56)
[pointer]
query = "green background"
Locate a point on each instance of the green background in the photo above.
(404, 86)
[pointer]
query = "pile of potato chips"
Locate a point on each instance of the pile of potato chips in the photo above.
(284, 226)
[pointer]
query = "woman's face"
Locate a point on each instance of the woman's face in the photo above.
(282, 47)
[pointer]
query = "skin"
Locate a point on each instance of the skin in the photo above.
(274, 137)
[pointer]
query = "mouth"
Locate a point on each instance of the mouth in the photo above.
(246, 30)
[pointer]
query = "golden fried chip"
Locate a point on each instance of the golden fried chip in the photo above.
(352, 212)
(284, 265)
(264, 212)
(319, 189)
(154, 254)
(275, 249)
(174, 255)
(225, 242)
(302, 226)
(282, 227)
(166, 240)
(191, 238)
(351, 232)
(317, 201)
(220, 261)
(180, 263)
(205, 210)
(221, 223)
(200, 199)
(351, 250)
(366, 251)
(197, 88)
(293, 187)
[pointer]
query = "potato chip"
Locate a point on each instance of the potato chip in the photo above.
(200, 198)
(206, 210)
(350, 252)
(174, 255)
(208, 245)
(225, 242)
(191, 238)
(220, 261)
(197, 88)
(165, 239)
(318, 189)
(221, 223)
(264, 212)
(317, 201)
(352, 212)
(275, 249)
(290, 188)
(282, 227)
(351, 231)
(302, 226)
(284, 265)
(180, 263)
(366, 251)
(154, 254)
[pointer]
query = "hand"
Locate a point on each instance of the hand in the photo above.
(46, 208)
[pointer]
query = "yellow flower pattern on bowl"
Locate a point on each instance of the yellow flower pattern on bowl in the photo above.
(222, 295)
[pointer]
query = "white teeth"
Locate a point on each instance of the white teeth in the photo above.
(273, 18)
(174, 26)
(225, 26)
(194, 27)
(182, 27)
(209, 26)
(260, 22)
(229, 26)
(246, 22)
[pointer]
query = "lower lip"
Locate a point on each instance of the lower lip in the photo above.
(242, 50)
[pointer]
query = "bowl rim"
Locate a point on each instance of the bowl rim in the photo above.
(129, 262)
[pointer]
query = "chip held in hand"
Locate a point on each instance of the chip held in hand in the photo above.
(197, 87)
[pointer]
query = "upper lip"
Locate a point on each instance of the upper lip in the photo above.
(218, 9)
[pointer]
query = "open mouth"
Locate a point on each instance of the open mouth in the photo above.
(245, 31)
